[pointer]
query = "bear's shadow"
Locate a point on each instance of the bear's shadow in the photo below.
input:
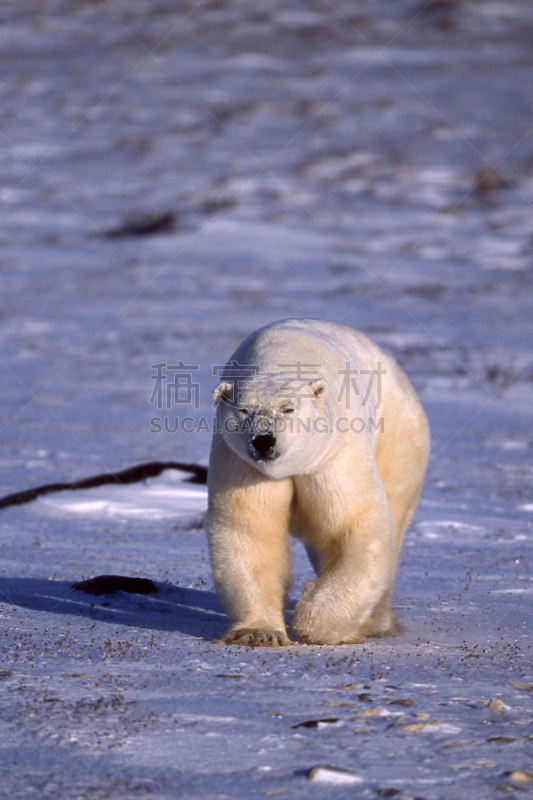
(193, 612)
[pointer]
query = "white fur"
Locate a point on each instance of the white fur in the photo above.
(299, 455)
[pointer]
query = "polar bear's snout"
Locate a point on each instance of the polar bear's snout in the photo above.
(263, 445)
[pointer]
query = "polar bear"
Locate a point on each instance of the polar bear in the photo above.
(320, 435)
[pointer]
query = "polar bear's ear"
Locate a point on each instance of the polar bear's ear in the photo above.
(222, 392)
(318, 388)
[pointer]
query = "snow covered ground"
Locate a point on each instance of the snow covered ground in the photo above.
(175, 175)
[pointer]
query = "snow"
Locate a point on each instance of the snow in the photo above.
(320, 160)
(328, 775)
(162, 498)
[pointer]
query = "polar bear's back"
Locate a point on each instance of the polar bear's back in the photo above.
(330, 345)
(292, 338)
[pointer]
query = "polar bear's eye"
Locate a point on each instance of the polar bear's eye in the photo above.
(288, 410)
(243, 411)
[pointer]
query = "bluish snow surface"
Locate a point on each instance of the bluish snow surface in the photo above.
(325, 159)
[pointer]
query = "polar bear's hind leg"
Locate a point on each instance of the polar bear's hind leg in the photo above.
(402, 463)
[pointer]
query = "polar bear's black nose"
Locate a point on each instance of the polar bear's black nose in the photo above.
(264, 443)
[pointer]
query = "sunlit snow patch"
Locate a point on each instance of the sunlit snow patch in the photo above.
(169, 496)
(437, 529)
(324, 774)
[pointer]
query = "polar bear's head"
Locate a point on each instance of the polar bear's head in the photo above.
(274, 429)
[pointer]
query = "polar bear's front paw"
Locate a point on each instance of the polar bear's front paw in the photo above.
(256, 637)
(313, 625)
